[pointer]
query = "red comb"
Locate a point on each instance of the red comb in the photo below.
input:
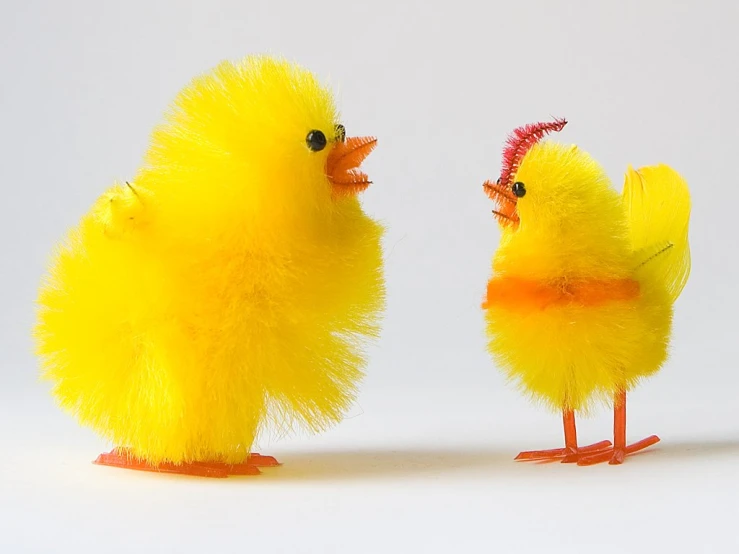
(520, 141)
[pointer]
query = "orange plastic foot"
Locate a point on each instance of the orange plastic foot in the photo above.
(258, 460)
(121, 457)
(568, 454)
(616, 455)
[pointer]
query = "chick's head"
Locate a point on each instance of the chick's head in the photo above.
(255, 146)
(555, 205)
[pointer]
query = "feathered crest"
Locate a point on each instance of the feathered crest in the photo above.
(520, 141)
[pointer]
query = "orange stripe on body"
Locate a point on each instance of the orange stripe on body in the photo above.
(517, 293)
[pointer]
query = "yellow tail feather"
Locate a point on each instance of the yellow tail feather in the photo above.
(657, 204)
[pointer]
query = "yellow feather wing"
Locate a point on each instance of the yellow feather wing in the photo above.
(120, 210)
(657, 204)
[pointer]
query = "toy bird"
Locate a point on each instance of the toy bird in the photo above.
(233, 283)
(580, 304)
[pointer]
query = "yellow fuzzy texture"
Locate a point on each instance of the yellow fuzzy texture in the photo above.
(225, 288)
(575, 227)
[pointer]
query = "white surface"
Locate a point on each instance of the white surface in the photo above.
(424, 462)
(408, 474)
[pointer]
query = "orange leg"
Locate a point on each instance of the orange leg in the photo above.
(620, 450)
(121, 457)
(571, 452)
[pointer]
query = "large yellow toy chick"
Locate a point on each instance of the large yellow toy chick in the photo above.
(580, 304)
(234, 282)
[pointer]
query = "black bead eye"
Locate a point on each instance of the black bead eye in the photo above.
(518, 189)
(340, 133)
(316, 140)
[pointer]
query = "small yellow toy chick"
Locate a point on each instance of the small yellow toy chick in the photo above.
(579, 307)
(234, 282)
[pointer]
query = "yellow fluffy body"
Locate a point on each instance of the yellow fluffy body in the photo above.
(226, 287)
(575, 227)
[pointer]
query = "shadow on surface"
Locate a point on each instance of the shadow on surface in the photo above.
(694, 449)
(378, 464)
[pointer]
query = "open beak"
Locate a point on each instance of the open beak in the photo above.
(505, 201)
(342, 165)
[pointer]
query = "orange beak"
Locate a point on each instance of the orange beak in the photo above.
(342, 165)
(505, 200)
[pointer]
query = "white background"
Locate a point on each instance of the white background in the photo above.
(424, 461)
